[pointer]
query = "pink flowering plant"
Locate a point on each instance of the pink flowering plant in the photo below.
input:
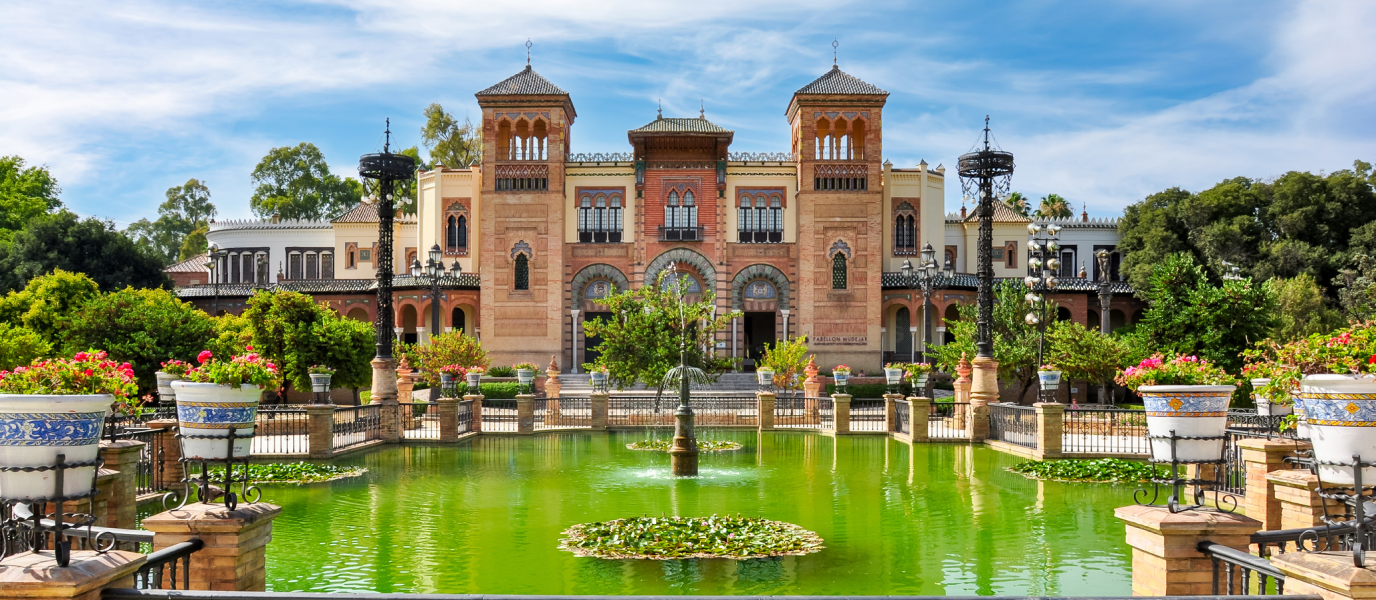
(477, 369)
(457, 371)
(176, 368)
(916, 370)
(1048, 367)
(86, 373)
(840, 369)
(1177, 370)
(320, 370)
(250, 369)
(1347, 351)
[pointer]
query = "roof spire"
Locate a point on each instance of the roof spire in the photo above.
(834, 45)
(659, 112)
(528, 45)
(986, 132)
(702, 109)
(388, 141)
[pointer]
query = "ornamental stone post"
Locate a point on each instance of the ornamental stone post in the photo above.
(449, 419)
(919, 412)
(1260, 458)
(842, 420)
(552, 388)
(891, 413)
(235, 552)
(812, 389)
(984, 389)
(172, 471)
(1050, 427)
(525, 414)
(320, 430)
(122, 456)
(764, 403)
(599, 410)
(1297, 493)
(477, 418)
(1166, 560)
(1327, 574)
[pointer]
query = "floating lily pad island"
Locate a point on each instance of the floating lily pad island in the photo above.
(671, 538)
(703, 445)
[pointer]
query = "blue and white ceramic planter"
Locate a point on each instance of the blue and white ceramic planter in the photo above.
(475, 381)
(212, 409)
(1189, 411)
(34, 429)
(841, 377)
(893, 376)
(320, 382)
(166, 395)
(1049, 380)
(1341, 411)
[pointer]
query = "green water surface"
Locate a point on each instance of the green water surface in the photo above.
(486, 516)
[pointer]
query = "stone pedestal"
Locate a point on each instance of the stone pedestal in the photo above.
(385, 393)
(1261, 457)
(1165, 558)
(236, 542)
(1050, 426)
(919, 418)
(449, 419)
(764, 402)
(1327, 574)
(1297, 494)
(29, 575)
(477, 400)
(122, 456)
(984, 390)
(842, 420)
(172, 470)
(525, 414)
(890, 413)
(320, 430)
(599, 410)
(552, 383)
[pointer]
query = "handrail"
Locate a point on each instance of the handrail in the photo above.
(1230, 558)
(128, 594)
(120, 535)
(150, 576)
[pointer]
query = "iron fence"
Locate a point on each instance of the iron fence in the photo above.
(563, 413)
(708, 411)
(160, 569)
(1240, 572)
(1013, 424)
(867, 415)
(948, 421)
(499, 414)
(465, 417)
(1104, 431)
(796, 412)
(148, 471)
(826, 412)
(354, 425)
(902, 417)
(117, 425)
(281, 430)
(725, 411)
(420, 420)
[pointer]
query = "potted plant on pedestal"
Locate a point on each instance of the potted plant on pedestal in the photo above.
(218, 396)
(475, 379)
(918, 374)
(1185, 395)
(58, 406)
(1049, 379)
(171, 370)
(449, 375)
(597, 375)
(320, 378)
(841, 373)
(525, 376)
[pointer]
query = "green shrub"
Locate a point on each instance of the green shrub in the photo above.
(20, 345)
(501, 372)
(447, 349)
(142, 327)
(862, 390)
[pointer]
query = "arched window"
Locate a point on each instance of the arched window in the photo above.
(776, 219)
(838, 271)
(522, 272)
(746, 216)
(905, 229)
(671, 208)
(689, 218)
(614, 235)
(463, 234)
(451, 233)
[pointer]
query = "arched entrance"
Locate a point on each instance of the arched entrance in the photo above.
(456, 320)
(950, 317)
(359, 314)
(591, 284)
(902, 334)
(408, 324)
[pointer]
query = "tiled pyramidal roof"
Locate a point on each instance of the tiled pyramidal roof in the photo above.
(837, 81)
(525, 83)
(676, 125)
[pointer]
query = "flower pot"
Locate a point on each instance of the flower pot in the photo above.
(210, 409)
(920, 382)
(34, 429)
(1264, 406)
(841, 377)
(320, 382)
(1341, 411)
(525, 377)
(1190, 411)
(475, 381)
(764, 376)
(446, 380)
(1049, 380)
(166, 394)
(1301, 423)
(893, 376)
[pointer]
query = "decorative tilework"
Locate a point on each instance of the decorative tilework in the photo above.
(1342, 410)
(216, 415)
(1186, 404)
(50, 429)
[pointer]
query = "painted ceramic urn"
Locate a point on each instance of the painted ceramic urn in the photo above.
(34, 429)
(1191, 411)
(1341, 413)
(211, 409)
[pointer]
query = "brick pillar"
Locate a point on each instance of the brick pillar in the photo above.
(1297, 492)
(385, 393)
(525, 414)
(764, 401)
(1050, 425)
(890, 415)
(449, 419)
(1165, 560)
(171, 465)
(320, 430)
(919, 415)
(599, 410)
(122, 456)
(235, 542)
(99, 507)
(984, 389)
(406, 387)
(30, 575)
(477, 400)
(1261, 457)
(842, 404)
(1327, 574)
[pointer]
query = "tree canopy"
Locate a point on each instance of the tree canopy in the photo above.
(90, 246)
(292, 330)
(187, 210)
(25, 193)
(448, 142)
(141, 327)
(294, 182)
(1015, 340)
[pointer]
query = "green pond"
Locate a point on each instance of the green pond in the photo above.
(485, 517)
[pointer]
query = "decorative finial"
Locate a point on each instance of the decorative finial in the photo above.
(834, 45)
(986, 132)
(388, 142)
(659, 112)
(528, 45)
(702, 109)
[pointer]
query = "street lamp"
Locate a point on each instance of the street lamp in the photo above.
(926, 279)
(1105, 292)
(1044, 262)
(434, 270)
(386, 169)
(985, 172)
(215, 255)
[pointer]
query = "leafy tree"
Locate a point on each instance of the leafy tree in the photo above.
(25, 193)
(141, 327)
(649, 327)
(90, 246)
(1053, 206)
(296, 183)
(1015, 340)
(1083, 353)
(194, 244)
(1019, 204)
(449, 143)
(1190, 315)
(47, 304)
(233, 335)
(455, 348)
(788, 358)
(294, 332)
(1302, 309)
(20, 345)
(186, 210)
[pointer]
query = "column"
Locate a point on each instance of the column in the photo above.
(29, 575)
(122, 456)
(764, 402)
(785, 313)
(573, 353)
(234, 555)
(599, 410)
(1050, 425)
(890, 413)
(735, 323)
(421, 337)
(1297, 493)
(525, 414)
(320, 430)
(172, 471)
(842, 404)
(1165, 558)
(984, 389)
(920, 411)
(477, 400)
(1261, 457)
(449, 419)
(1327, 574)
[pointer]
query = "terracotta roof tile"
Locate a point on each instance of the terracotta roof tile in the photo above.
(367, 213)
(195, 264)
(837, 81)
(525, 83)
(677, 125)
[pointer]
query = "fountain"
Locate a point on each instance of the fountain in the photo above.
(683, 454)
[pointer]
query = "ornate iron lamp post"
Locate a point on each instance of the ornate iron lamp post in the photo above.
(433, 272)
(985, 173)
(1045, 249)
(385, 169)
(1105, 292)
(926, 279)
(215, 255)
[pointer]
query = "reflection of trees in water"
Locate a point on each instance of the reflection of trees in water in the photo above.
(759, 570)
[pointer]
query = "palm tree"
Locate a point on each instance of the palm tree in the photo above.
(1053, 207)
(1018, 203)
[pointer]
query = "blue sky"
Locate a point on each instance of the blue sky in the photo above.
(1101, 102)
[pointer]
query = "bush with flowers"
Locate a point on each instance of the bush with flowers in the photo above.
(86, 373)
(1047, 367)
(176, 368)
(1177, 370)
(1347, 351)
(457, 371)
(840, 369)
(248, 368)
(526, 365)
(320, 370)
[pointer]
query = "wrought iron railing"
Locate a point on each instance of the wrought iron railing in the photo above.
(563, 413)
(645, 411)
(1013, 424)
(826, 412)
(759, 156)
(1235, 573)
(867, 415)
(161, 568)
(948, 421)
(1104, 431)
(465, 417)
(499, 415)
(599, 157)
(902, 417)
(281, 430)
(420, 420)
(354, 425)
(796, 412)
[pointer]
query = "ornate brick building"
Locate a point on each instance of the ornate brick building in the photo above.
(807, 241)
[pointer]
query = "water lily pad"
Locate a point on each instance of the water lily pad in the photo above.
(669, 538)
(703, 445)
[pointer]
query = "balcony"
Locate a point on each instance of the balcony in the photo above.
(680, 234)
(761, 237)
(600, 237)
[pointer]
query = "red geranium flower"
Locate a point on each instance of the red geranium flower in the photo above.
(204, 356)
